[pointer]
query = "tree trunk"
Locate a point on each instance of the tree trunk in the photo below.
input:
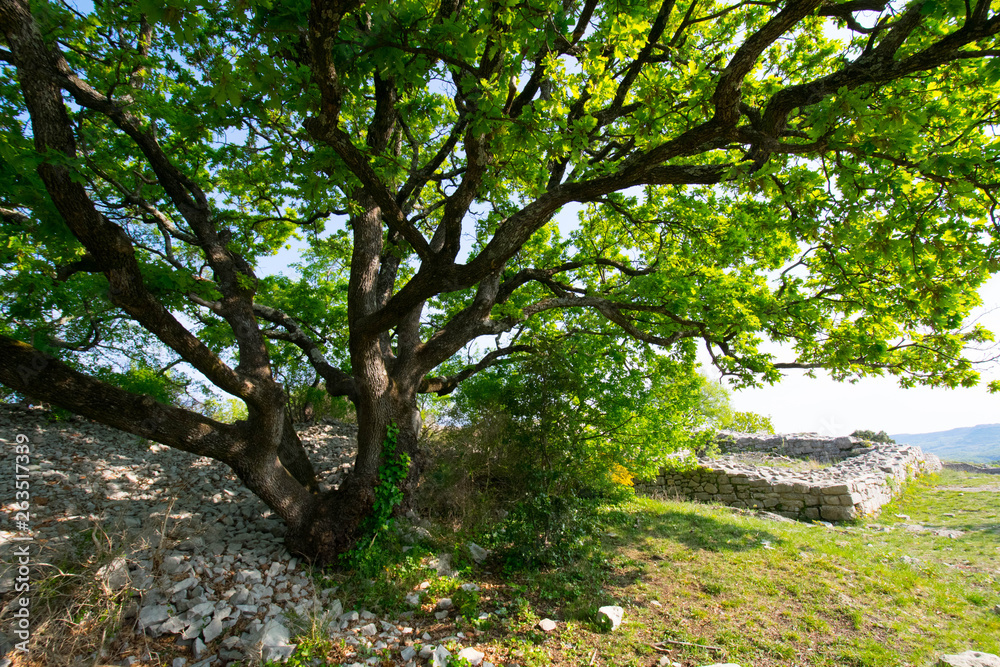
(336, 519)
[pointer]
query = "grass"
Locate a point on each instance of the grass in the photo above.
(778, 461)
(702, 584)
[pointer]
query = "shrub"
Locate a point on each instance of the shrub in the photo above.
(872, 436)
(544, 531)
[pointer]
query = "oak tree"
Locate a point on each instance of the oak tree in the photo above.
(816, 173)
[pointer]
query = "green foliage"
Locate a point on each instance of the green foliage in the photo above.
(544, 531)
(226, 410)
(369, 556)
(467, 602)
(748, 422)
(872, 436)
(141, 378)
(579, 415)
(716, 406)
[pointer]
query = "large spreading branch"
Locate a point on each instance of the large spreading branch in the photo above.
(108, 244)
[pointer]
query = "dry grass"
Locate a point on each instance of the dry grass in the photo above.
(82, 612)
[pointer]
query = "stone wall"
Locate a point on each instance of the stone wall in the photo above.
(968, 467)
(866, 476)
(798, 445)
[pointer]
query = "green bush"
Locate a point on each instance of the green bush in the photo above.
(544, 531)
(872, 436)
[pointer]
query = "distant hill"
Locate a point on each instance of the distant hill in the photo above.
(976, 444)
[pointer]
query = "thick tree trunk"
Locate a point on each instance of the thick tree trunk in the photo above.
(336, 519)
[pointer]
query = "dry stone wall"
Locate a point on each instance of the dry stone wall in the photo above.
(863, 477)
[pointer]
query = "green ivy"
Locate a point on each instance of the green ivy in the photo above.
(369, 556)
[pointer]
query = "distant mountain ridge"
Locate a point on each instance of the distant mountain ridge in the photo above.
(976, 444)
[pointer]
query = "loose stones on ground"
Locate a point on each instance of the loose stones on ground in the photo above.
(201, 552)
(969, 659)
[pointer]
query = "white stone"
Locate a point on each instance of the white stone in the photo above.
(441, 657)
(153, 614)
(212, 630)
(173, 625)
(194, 630)
(203, 609)
(479, 554)
(610, 615)
(474, 657)
(547, 625)
(115, 574)
(183, 585)
(336, 608)
(969, 659)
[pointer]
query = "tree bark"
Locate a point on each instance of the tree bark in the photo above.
(335, 520)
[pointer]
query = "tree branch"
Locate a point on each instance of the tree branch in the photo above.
(442, 386)
(30, 372)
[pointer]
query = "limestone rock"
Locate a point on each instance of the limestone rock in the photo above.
(474, 657)
(441, 657)
(115, 574)
(442, 564)
(213, 629)
(479, 554)
(273, 642)
(153, 614)
(969, 659)
(546, 625)
(610, 616)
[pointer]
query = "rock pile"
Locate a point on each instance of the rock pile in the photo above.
(866, 477)
(202, 554)
(797, 445)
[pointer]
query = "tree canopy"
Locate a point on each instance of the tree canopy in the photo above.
(816, 173)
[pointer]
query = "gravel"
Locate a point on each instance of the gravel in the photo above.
(202, 555)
